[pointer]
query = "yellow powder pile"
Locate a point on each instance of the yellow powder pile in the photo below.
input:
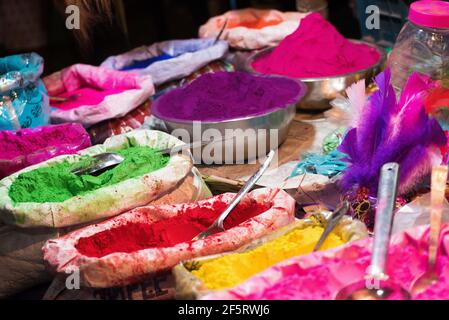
(230, 270)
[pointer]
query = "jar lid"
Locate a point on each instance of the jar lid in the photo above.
(430, 13)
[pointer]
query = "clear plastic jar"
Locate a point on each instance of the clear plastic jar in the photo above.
(423, 43)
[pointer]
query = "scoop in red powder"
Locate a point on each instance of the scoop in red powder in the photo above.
(166, 233)
(316, 49)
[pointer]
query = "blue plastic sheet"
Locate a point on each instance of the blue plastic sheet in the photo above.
(23, 97)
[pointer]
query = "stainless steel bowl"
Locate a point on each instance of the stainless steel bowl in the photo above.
(241, 146)
(323, 90)
(243, 140)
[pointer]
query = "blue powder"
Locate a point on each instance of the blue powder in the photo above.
(142, 64)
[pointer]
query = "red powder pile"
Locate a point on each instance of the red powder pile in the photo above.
(166, 233)
(255, 23)
(316, 49)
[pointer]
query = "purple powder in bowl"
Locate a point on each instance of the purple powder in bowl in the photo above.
(222, 96)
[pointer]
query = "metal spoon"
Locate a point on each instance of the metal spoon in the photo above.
(72, 97)
(217, 226)
(108, 160)
(221, 31)
(430, 276)
(376, 285)
(99, 162)
(333, 221)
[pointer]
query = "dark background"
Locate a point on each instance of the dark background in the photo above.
(43, 29)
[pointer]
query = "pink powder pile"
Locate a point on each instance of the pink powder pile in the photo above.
(333, 270)
(86, 96)
(31, 146)
(316, 49)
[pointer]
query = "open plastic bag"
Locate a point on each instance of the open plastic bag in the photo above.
(89, 95)
(251, 29)
(23, 98)
(169, 60)
(321, 275)
(118, 268)
(190, 286)
(27, 147)
(22, 265)
(106, 201)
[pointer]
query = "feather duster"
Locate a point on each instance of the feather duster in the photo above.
(388, 130)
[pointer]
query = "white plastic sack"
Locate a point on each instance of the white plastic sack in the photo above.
(104, 202)
(239, 36)
(187, 57)
(135, 90)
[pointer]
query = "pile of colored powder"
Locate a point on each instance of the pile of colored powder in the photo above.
(85, 96)
(27, 141)
(142, 64)
(226, 95)
(255, 23)
(316, 49)
(57, 184)
(184, 227)
(406, 261)
(230, 270)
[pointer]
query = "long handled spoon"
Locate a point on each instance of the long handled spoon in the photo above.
(430, 276)
(336, 216)
(376, 285)
(72, 97)
(221, 31)
(107, 160)
(217, 226)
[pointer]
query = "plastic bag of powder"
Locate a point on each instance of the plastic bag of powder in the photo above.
(122, 268)
(169, 60)
(23, 98)
(27, 147)
(251, 29)
(106, 201)
(88, 95)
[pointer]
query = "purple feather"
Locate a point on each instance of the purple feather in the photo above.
(393, 132)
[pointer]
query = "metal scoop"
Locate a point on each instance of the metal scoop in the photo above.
(107, 160)
(430, 276)
(217, 226)
(335, 217)
(72, 97)
(98, 163)
(221, 31)
(376, 285)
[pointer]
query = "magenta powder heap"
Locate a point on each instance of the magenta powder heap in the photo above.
(224, 96)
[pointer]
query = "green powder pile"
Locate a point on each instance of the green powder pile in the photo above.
(57, 184)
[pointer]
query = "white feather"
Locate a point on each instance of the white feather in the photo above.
(357, 99)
